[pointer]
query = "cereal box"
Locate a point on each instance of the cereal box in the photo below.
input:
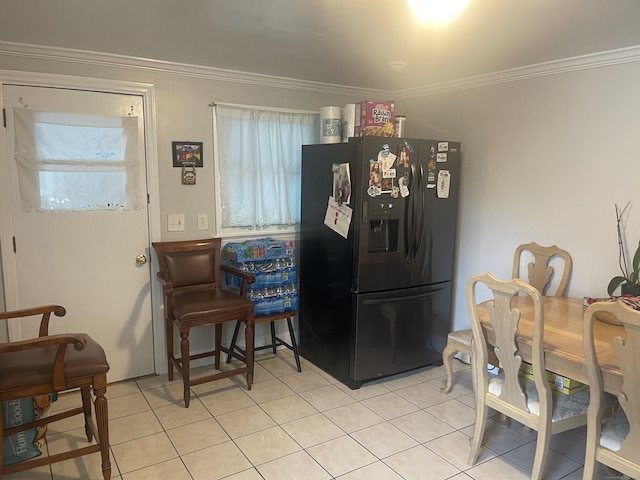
(375, 118)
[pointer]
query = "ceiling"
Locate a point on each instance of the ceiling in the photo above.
(342, 42)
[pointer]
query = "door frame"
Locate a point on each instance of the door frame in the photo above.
(8, 266)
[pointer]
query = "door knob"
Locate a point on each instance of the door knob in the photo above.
(141, 259)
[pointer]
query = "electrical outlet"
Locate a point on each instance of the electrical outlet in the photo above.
(175, 222)
(203, 221)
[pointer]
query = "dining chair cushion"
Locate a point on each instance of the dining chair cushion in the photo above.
(23, 368)
(614, 430)
(564, 406)
(206, 303)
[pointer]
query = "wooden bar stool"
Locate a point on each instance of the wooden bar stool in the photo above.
(191, 277)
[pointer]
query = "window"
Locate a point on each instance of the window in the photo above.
(259, 158)
(70, 162)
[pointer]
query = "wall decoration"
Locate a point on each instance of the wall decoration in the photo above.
(187, 152)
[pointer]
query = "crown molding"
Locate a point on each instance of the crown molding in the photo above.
(175, 68)
(583, 62)
(595, 60)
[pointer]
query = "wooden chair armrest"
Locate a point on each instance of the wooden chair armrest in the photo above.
(77, 340)
(247, 278)
(44, 310)
(61, 341)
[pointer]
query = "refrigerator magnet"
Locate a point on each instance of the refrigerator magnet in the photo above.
(375, 175)
(442, 157)
(386, 159)
(403, 185)
(443, 146)
(403, 156)
(407, 145)
(444, 182)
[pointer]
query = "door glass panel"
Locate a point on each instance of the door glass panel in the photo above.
(71, 162)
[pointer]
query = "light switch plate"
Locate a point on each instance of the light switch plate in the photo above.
(175, 222)
(203, 221)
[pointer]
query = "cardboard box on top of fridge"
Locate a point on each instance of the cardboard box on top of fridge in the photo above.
(375, 118)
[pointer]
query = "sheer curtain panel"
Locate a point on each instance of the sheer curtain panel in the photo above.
(259, 155)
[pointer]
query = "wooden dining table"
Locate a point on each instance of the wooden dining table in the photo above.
(564, 351)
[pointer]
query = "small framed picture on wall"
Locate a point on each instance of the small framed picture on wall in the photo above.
(187, 152)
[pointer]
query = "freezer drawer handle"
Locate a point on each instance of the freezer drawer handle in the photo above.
(401, 299)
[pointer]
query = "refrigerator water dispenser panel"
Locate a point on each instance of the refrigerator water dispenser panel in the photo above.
(383, 236)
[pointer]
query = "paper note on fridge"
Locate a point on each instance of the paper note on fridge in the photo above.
(338, 217)
(444, 181)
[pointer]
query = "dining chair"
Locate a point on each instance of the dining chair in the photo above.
(530, 402)
(47, 365)
(191, 277)
(613, 441)
(540, 274)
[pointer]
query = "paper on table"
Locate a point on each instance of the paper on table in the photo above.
(338, 217)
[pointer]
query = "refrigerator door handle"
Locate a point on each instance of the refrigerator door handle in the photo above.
(408, 216)
(420, 220)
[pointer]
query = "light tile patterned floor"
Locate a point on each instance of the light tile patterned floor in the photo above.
(303, 426)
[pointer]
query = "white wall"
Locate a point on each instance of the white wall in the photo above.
(544, 159)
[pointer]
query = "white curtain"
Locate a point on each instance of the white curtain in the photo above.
(71, 162)
(259, 161)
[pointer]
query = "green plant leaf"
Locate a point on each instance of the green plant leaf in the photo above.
(636, 265)
(613, 284)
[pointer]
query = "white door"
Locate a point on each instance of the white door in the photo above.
(84, 258)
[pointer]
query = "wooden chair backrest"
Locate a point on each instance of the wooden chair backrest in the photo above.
(504, 322)
(627, 352)
(189, 264)
(539, 271)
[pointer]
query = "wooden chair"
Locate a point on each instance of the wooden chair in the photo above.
(47, 365)
(540, 273)
(191, 278)
(615, 441)
(532, 403)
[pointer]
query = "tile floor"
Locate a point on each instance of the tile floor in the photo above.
(303, 426)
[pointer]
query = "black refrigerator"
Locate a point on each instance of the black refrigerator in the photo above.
(375, 289)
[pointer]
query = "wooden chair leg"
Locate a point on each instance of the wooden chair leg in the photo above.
(274, 345)
(249, 342)
(218, 344)
(234, 339)
(478, 432)
(168, 326)
(1, 449)
(294, 344)
(184, 363)
(542, 449)
(85, 392)
(447, 360)
(102, 420)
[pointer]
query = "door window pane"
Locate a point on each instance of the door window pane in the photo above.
(69, 162)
